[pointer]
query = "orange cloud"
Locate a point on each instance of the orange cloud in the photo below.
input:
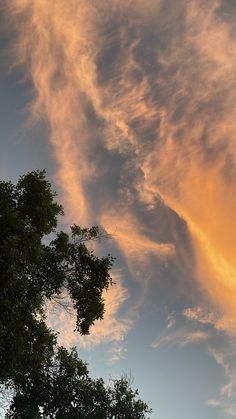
(166, 102)
(132, 238)
(195, 174)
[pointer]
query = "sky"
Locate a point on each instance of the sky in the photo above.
(130, 108)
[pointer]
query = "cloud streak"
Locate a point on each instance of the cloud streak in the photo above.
(181, 337)
(226, 399)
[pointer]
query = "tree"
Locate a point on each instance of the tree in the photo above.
(65, 390)
(39, 264)
(32, 272)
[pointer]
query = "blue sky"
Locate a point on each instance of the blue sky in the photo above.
(131, 111)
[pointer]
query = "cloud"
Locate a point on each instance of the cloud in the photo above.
(200, 315)
(132, 238)
(195, 169)
(116, 353)
(204, 316)
(223, 352)
(171, 320)
(154, 87)
(181, 337)
(226, 401)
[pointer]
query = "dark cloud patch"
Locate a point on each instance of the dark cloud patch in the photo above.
(172, 285)
(172, 21)
(227, 10)
(104, 187)
(145, 51)
(116, 36)
(173, 278)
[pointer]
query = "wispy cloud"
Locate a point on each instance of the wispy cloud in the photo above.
(170, 320)
(226, 401)
(196, 158)
(181, 337)
(200, 315)
(223, 354)
(210, 316)
(116, 353)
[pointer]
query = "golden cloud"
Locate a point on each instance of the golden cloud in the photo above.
(161, 87)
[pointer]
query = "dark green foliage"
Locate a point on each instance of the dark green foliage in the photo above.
(65, 390)
(32, 271)
(35, 202)
(38, 264)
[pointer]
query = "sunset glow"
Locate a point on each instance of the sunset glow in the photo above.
(139, 99)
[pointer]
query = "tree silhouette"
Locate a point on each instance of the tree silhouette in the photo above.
(39, 264)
